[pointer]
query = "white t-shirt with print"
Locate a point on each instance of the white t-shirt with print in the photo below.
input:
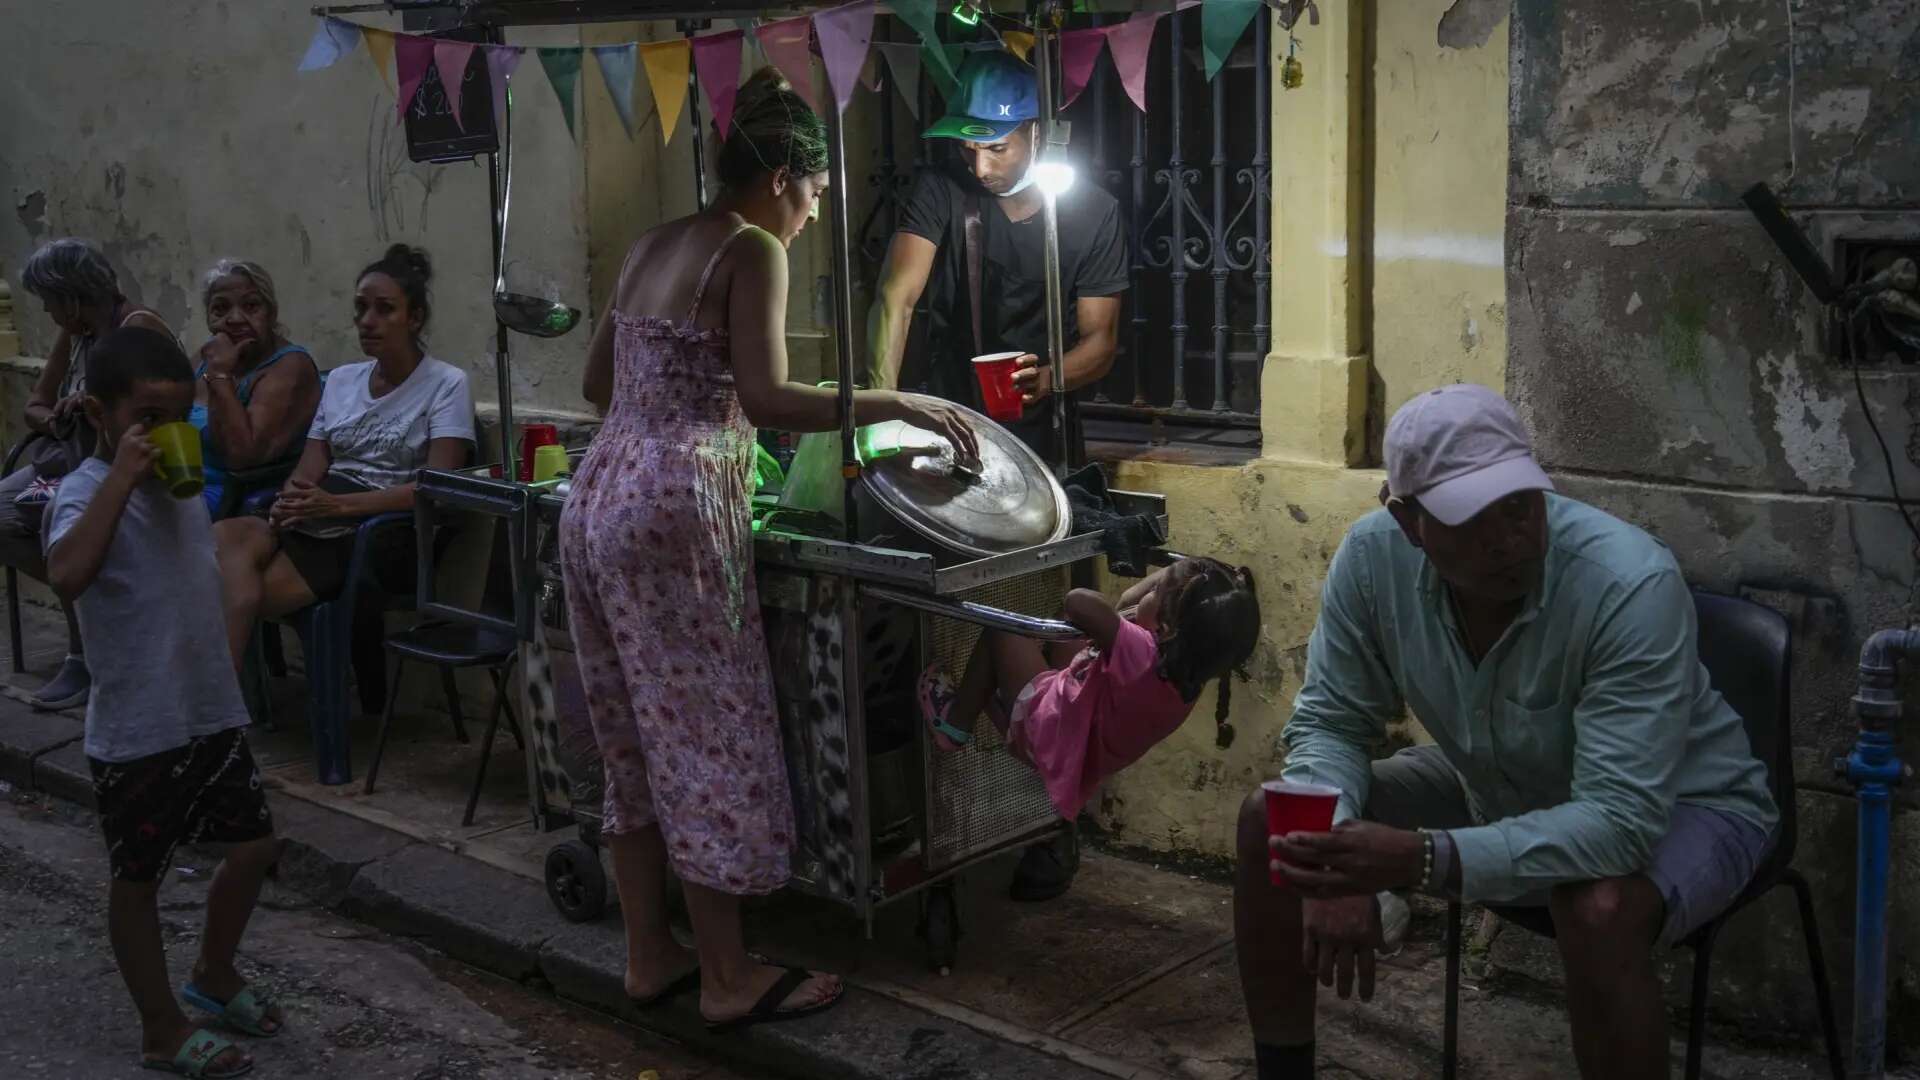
(381, 441)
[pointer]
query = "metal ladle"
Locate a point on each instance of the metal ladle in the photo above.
(519, 312)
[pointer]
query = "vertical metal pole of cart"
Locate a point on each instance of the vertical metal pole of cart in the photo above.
(689, 27)
(1053, 135)
(851, 685)
(502, 364)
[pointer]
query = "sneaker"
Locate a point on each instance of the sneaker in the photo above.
(1395, 917)
(68, 688)
(1047, 868)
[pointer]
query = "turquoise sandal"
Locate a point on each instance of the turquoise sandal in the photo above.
(197, 1056)
(936, 693)
(243, 1012)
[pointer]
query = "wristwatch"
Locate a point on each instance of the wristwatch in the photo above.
(209, 376)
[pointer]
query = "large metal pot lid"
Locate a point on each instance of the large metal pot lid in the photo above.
(1012, 502)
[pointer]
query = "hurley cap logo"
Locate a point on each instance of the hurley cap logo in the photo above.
(1006, 110)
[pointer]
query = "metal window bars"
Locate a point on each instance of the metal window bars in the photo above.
(1198, 231)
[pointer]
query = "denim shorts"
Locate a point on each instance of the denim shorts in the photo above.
(1699, 867)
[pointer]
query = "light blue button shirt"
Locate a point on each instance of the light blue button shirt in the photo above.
(1575, 736)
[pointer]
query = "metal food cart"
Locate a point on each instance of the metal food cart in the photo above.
(876, 823)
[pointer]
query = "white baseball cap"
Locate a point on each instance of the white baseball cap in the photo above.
(1459, 449)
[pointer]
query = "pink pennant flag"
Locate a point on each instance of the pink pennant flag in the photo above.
(786, 45)
(716, 59)
(450, 60)
(1079, 50)
(412, 53)
(501, 60)
(1131, 41)
(846, 35)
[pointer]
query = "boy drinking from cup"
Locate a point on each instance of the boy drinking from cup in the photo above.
(164, 734)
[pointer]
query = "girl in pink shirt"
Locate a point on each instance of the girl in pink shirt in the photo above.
(1080, 721)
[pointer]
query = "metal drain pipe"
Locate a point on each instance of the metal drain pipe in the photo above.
(1873, 768)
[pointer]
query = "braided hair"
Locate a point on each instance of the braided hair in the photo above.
(1207, 631)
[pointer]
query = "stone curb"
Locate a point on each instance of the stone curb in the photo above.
(502, 923)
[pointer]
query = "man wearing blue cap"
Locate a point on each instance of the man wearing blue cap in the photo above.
(988, 193)
(971, 242)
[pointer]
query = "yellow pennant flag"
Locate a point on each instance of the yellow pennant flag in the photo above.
(1019, 43)
(667, 64)
(380, 47)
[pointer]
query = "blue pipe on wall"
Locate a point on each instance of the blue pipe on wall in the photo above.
(1874, 768)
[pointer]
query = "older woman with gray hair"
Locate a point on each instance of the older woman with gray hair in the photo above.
(257, 391)
(81, 294)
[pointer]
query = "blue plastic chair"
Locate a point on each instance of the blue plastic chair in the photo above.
(330, 646)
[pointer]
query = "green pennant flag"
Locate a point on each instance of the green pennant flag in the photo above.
(563, 71)
(922, 16)
(941, 62)
(1221, 24)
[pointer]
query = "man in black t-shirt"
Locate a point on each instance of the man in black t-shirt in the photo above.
(995, 121)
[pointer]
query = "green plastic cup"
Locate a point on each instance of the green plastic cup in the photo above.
(179, 466)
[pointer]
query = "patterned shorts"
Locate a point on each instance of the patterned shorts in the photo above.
(206, 791)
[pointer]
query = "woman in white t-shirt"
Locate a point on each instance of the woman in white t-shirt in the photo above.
(379, 420)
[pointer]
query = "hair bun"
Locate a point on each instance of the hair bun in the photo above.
(413, 258)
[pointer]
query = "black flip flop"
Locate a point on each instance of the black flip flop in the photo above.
(767, 1010)
(679, 986)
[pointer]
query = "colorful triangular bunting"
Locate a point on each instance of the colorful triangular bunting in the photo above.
(786, 45)
(1079, 51)
(716, 58)
(450, 59)
(501, 62)
(332, 39)
(845, 32)
(616, 71)
(562, 66)
(1221, 24)
(411, 53)
(667, 63)
(904, 61)
(380, 46)
(1131, 42)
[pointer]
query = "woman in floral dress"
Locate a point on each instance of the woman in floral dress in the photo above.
(656, 549)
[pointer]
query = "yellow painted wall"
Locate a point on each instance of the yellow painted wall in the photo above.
(1439, 205)
(1389, 203)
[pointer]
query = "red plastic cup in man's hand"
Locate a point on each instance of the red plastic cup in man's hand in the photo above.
(1293, 808)
(995, 372)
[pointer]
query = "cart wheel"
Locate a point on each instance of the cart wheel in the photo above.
(575, 883)
(940, 927)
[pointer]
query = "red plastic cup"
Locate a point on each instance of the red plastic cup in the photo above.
(995, 372)
(1295, 808)
(532, 438)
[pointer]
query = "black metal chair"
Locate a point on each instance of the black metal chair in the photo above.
(451, 647)
(1747, 650)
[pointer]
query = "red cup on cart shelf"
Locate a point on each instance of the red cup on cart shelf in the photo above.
(532, 438)
(995, 372)
(1293, 808)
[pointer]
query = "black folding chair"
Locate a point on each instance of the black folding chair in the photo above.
(1747, 650)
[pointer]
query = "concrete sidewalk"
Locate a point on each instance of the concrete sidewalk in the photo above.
(1131, 975)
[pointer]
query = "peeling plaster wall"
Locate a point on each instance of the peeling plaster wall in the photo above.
(1439, 197)
(173, 134)
(225, 149)
(1674, 369)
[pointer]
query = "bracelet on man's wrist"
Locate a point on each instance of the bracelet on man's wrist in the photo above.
(1426, 883)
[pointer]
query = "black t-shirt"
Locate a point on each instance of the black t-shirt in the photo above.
(1013, 310)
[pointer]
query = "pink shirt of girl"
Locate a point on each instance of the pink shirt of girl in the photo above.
(1082, 723)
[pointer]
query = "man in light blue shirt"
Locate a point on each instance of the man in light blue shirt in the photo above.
(1580, 760)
